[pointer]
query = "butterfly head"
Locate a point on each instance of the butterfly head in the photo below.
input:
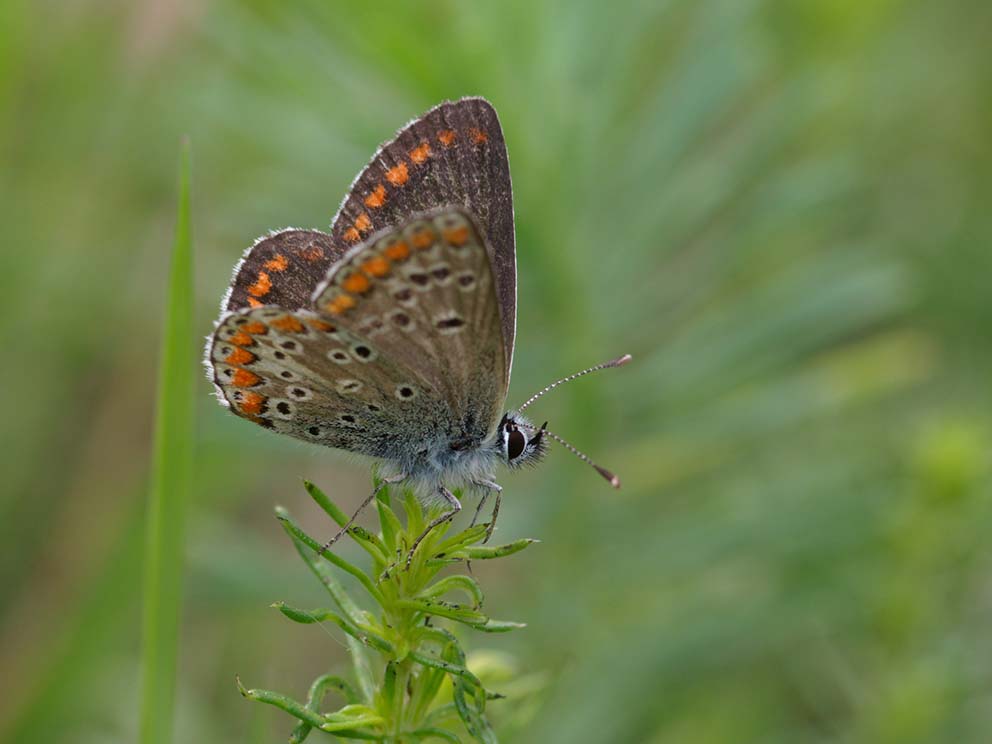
(523, 443)
(520, 442)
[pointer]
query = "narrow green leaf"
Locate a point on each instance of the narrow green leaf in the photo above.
(363, 669)
(294, 530)
(315, 698)
(424, 691)
(282, 702)
(455, 669)
(453, 654)
(440, 636)
(360, 632)
(300, 616)
(474, 720)
(353, 711)
(473, 717)
(484, 552)
(324, 684)
(444, 609)
(372, 545)
(414, 514)
(390, 525)
(329, 507)
(461, 540)
(467, 715)
(461, 583)
(171, 474)
(499, 626)
(351, 717)
(321, 569)
(389, 686)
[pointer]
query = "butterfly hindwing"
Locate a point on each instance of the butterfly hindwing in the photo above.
(282, 269)
(455, 154)
(298, 374)
(423, 294)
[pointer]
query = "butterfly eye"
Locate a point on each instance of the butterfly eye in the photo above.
(515, 444)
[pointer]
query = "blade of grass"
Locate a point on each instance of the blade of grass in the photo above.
(170, 484)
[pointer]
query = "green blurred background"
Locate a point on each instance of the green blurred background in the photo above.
(780, 209)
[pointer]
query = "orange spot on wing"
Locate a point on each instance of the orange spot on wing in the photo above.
(478, 136)
(261, 286)
(339, 304)
(287, 323)
(446, 137)
(256, 327)
(312, 252)
(363, 223)
(423, 239)
(377, 266)
(244, 378)
(240, 356)
(398, 175)
(377, 198)
(420, 154)
(241, 339)
(398, 251)
(356, 283)
(457, 236)
(253, 403)
(352, 235)
(277, 263)
(320, 325)
(253, 303)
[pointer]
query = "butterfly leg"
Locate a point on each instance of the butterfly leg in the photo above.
(455, 508)
(375, 492)
(491, 487)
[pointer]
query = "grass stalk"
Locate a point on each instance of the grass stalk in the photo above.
(170, 485)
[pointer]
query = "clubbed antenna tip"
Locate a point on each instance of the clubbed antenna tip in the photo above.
(611, 477)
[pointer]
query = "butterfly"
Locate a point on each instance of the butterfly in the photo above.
(392, 336)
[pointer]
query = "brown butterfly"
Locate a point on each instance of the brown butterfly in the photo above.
(392, 336)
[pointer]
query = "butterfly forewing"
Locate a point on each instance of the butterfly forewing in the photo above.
(454, 154)
(282, 269)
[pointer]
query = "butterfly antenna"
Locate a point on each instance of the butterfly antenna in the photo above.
(543, 429)
(618, 362)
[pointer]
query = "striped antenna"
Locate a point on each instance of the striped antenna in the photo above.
(619, 362)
